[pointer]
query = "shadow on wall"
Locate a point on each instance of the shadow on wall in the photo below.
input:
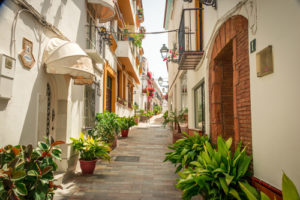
(81, 34)
(47, 4)
(3, 104)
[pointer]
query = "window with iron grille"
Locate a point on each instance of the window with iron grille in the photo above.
(200, 107)
(90, 28)
(183, 91)
(89, 106)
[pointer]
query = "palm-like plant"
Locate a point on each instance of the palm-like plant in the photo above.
(217, 174)
(186, 150)
(90, 148)
(176, 118)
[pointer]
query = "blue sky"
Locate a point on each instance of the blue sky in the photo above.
(154, 18)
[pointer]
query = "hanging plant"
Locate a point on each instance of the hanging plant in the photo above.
(149, 75)
(125, 34)
(142, 32)
(137, 40)
(140, 13)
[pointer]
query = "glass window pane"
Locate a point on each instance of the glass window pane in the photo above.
(199, 107)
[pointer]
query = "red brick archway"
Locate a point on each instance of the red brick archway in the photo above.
(229, 83)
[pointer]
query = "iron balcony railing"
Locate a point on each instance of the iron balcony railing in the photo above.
(190, 35)
(95, 41)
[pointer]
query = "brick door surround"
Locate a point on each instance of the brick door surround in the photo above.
(230, 54)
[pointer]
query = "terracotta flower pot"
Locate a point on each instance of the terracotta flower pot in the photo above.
(114, 143)
(125, 133)
(87, 167)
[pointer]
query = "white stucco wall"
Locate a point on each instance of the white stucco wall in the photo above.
(19, 117)
(274, 98)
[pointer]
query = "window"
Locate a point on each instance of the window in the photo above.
(109, 94)
(130, 98)
(200, 107)
(119, 82)
(183, 91)
(91, 29)
(89, 104)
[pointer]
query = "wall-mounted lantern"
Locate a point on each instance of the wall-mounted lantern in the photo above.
(164, 51)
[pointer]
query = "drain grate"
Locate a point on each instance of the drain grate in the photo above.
(128, 158)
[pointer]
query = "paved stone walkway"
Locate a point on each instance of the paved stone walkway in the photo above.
(141, 174)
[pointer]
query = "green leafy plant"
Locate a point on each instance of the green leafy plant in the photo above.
(156, 109)
(137, 40)
(135, 107)
(176, 118)
(217, 174)
(127, 122)
(107, 127)
(165, 116)
(289, 191)
(27, 172)
(90, 148)
(186, 150)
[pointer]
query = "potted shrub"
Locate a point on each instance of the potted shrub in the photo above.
(217, 173)
(136, 117)
(120, 100)
(143, 115)
(126, 124)
(175, 118)
(186, 150)
(157, 109)
(90, 150)
(27, 172)
(107, 128)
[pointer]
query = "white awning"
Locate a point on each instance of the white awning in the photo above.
(64, 57)
(104, 9)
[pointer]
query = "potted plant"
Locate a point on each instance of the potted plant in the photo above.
(136, 117)
(90, 150)
(125, 34)
(27, 172)
(176, 118)
(126, 124)
(186, 150)
(140, 13)
(107, 128)
(120, 101)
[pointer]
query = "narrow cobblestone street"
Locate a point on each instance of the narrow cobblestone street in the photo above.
(137, 170)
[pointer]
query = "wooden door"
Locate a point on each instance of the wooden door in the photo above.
(109, 94)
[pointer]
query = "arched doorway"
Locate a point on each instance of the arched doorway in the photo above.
(229, 83)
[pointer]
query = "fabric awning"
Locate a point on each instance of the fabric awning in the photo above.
(104, 9)
(64, 57)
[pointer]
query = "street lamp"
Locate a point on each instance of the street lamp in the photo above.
(164, 51)
(160, 81)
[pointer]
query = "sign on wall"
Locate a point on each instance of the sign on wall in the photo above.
(26, 55)
(253, 46)
(264, 62)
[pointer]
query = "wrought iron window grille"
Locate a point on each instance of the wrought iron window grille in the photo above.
(212, 3)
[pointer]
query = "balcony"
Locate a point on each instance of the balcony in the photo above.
(190, 38)
(95, 46)
(104, 9)
(125, 54)
(127, 9)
